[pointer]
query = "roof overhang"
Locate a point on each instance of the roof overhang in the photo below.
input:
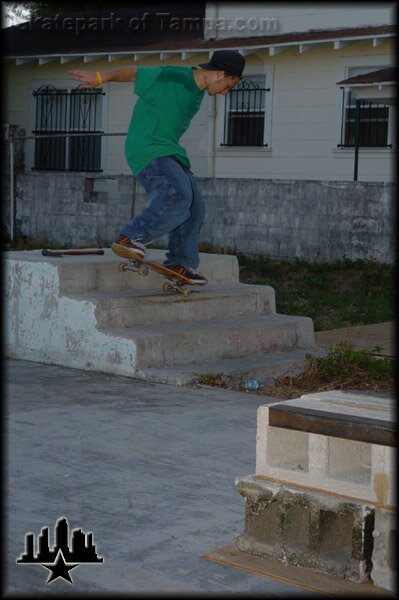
(270, 48)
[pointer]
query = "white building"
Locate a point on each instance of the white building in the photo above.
(288, 119)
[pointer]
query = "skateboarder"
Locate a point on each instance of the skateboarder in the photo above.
(168, 98)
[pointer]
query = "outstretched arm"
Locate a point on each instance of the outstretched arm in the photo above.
(90, 78)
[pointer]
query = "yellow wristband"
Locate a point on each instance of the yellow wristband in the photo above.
(100, 81)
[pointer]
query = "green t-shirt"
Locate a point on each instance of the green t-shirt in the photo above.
(168, 98)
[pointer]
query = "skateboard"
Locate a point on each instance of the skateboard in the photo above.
(174, 283)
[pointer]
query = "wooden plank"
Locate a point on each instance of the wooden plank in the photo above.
(302, 578)
(352, 427)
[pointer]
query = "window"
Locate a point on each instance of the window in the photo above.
(245, 107)
(374, 117)
(59, 111)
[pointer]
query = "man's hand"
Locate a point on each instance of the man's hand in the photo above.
(89, 78)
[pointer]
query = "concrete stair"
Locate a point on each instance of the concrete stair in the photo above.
(95, 317)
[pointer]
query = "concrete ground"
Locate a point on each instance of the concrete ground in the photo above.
(147, 468)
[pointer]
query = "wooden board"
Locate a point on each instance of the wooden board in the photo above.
(305, 579)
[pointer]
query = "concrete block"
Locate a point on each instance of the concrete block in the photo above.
(299, 452)
(384, 557)
(317, 531)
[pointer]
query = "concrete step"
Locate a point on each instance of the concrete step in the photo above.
(166, 344)
(265, 367)
(146, 307)
(81, 312)
(100, 273)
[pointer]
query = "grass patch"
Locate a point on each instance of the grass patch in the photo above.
(335, 295)
(341, 369)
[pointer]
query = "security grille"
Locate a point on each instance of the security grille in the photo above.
(244, 123)
(374, 119)
(62, 115)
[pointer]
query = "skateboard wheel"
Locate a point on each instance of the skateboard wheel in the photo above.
(167, 287)
(122, 267)
(142, 270)
(186, 293)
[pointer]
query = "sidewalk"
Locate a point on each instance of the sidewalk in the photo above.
(363, 337)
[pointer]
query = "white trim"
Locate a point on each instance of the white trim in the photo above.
(43, 61)
(370, 151)
(391, 137)
(274, 50)
(104, 126)
(22, 61)
(376, 39)
(139, 56)
(243, 151)
(340, 44)
(186, 55)
(165, 55)
(247, 51)
(67, 59)
(89, 58)
(114, 57)
(379, 84)
(306, 47)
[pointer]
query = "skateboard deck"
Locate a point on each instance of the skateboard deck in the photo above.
(175, 283)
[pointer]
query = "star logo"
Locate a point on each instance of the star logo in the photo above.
(60, 568)
(64, 555)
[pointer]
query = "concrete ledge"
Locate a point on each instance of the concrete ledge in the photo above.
(100, 273)
(317, 531)
(334, 463)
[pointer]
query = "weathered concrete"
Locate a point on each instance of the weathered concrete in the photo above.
(61, 311)
(311, 220)
(306, 529)
(19, 166)
(384, 558)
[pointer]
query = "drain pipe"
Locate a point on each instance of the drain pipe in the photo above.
(357, 140)
(212, 134)
(211, 16)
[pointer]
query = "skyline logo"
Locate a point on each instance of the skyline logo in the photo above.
(61, 558)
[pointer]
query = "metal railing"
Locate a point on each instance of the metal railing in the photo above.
(373, 122)
(62, 111)
(244, 123)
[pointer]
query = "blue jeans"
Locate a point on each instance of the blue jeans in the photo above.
(176, 207)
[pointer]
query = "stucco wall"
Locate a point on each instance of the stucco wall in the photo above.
(312, 220)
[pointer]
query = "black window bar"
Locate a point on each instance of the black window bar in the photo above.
(244, 123)
(62, 115)
(374, 120)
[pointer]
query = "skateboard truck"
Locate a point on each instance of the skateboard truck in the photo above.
(171, 285)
